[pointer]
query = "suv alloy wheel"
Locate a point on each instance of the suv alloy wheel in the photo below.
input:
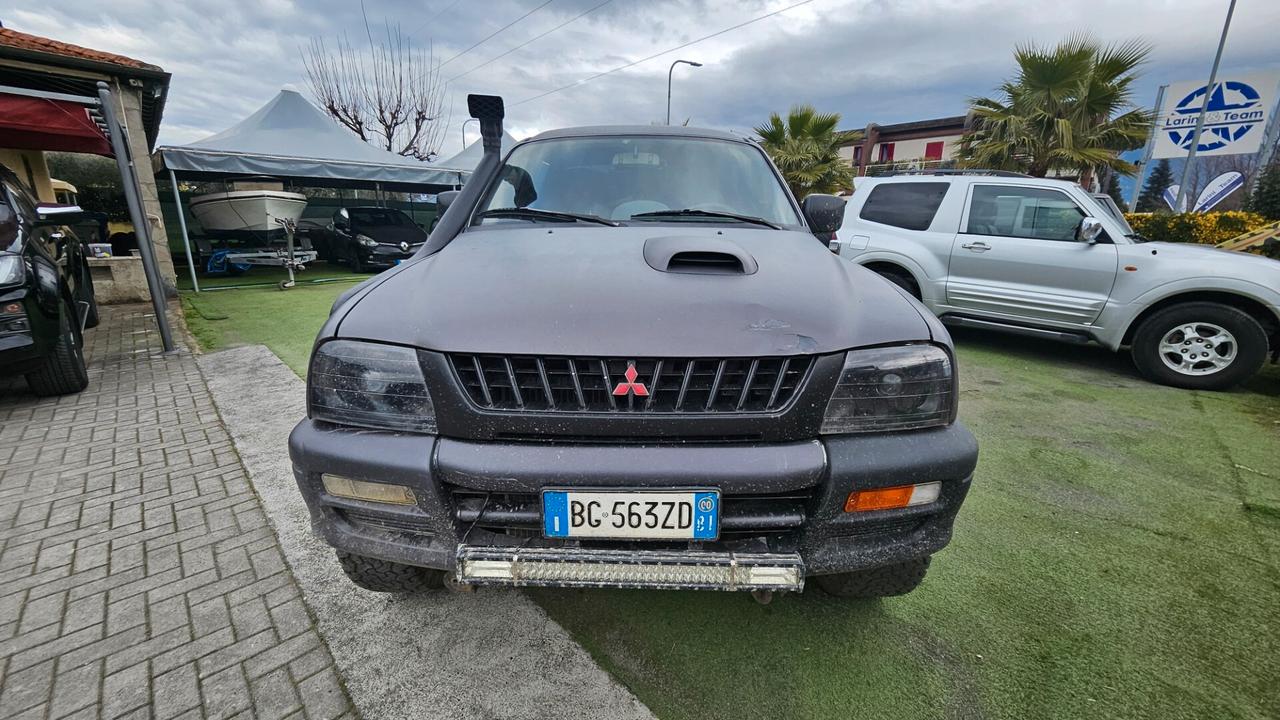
(1199, 346)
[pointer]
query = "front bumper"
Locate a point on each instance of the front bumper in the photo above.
(383, 255)
(783, 503)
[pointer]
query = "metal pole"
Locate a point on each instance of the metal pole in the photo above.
(182, 223)
(1146, 151)
(464, 131)
(129, 174)
(1208, 92)
(669, 71)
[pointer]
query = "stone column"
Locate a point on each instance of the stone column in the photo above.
(131, 115)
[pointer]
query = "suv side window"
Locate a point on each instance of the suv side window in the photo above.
(1037, 213)
(907, 205)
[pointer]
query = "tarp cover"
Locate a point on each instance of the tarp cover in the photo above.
(291, 138)
(467, 160)
(29, 123)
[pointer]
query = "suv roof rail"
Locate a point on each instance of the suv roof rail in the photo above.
(995, 173)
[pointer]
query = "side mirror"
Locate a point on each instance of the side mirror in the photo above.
(341, 219)
(824, 213)
(1089, 231)
(445, 199)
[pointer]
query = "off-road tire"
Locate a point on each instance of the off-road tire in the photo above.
(886, 581)
(63, 371)
(901, 279)
(1251, 341)
(389, 577)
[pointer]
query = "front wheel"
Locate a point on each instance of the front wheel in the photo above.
(63, 371)
(1199, 346)
(887, 581)
(389, 577)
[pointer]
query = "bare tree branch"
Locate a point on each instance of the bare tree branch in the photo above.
(390, 95)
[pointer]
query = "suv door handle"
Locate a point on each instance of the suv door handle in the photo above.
(976, 246)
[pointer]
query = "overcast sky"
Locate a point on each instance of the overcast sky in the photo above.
(870, 60)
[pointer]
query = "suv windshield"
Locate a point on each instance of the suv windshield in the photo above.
(634, 179)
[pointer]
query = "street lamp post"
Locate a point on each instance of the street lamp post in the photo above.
(669, 71)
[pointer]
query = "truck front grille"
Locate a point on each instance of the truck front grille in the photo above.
(521, 383)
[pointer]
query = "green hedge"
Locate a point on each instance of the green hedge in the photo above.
(1208, 228)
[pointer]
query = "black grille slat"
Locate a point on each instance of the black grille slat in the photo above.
(524, 383)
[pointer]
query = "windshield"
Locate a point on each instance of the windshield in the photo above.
(621, 178)
(367, 217)
(1114, 211)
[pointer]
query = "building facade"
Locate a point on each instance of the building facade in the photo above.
(37, 63)
(918, 145)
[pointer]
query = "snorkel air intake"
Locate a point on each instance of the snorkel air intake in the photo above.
(489, 110)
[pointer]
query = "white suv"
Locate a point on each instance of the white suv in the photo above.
(1045, 258)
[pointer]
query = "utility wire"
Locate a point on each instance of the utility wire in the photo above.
(433, 17)
(664, 52)
(530, 40)
(492, 34)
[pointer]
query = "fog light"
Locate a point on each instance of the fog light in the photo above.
(890, 498)
(11, 309)
(371, 492)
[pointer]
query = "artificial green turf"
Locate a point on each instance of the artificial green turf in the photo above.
(1118, 557)
(284, 320)
(1106, 564)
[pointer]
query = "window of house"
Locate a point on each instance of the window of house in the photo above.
(1023, 212)
(933, 151)
(886, 152)
(908, 205)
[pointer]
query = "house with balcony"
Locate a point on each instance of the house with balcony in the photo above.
(919, 145)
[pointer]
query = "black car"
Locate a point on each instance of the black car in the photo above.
(46, 293)
(622, 360)
(369, 238)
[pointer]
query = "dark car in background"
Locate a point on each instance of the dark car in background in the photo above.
(368, 238)
(46, 293)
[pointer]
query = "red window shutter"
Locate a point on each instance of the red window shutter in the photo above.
(933, 151)
(886, 152)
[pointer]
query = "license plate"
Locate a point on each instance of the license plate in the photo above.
(632, 514)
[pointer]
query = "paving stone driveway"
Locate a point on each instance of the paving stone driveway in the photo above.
(138, 575)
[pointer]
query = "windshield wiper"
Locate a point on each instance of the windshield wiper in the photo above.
(690, 212)
(1139, 237)
(536, 214)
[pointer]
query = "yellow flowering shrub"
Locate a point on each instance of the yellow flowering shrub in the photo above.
(1208, 228)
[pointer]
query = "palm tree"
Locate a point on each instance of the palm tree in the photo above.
(1069, 108)
(805, 147)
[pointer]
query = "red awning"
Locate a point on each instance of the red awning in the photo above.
(28, 123)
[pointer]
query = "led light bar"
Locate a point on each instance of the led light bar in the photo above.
(553, 567)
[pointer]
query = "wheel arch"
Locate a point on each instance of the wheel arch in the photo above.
(1251, 307)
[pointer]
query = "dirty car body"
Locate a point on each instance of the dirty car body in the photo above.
(632, 397)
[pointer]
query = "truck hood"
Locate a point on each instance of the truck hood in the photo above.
(1196, 251)
(578, 290)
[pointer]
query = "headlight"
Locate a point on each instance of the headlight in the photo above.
(907, 387)
(369, 385)
(366, 241)
(11, 270)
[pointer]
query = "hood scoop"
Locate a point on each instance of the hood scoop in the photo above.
(698, 256)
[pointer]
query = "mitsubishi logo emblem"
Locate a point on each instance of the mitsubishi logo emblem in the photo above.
(404, 246)
(631, 386)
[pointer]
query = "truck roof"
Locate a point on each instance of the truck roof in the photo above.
(650, 130)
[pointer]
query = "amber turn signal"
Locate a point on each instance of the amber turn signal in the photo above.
(889, 498)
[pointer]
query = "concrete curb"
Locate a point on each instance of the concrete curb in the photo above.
(492, 653)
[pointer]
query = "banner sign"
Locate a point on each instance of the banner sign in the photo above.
(1234, 122)
(1217, 190)
(1170, 196)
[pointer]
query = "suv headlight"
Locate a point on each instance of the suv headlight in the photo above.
(907, 387)
(369, 385)
(11, 269)
(366, 241)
